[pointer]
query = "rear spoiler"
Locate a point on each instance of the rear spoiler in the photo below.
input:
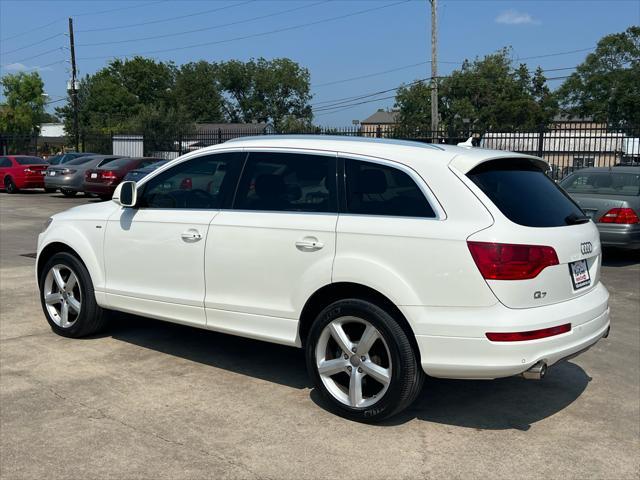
(468, 161)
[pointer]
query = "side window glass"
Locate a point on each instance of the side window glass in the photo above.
(5, 162)
(197, 183)
(288, 182)
(374, 189)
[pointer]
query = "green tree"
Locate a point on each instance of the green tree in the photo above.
(113, 98)
(197, 92)
(487, 93)
(23, 109)
(606, 86)
(265, 90)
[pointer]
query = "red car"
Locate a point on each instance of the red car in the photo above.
(21, 171)
(104, 179)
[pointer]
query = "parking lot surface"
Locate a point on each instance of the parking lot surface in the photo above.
(148, 399)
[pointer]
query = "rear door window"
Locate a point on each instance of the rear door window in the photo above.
(603, 183)
(288, 182)
(374, 189)
(525, 194)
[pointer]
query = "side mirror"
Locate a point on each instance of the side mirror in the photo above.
(126, 194)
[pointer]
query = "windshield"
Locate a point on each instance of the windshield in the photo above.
(524, 194)
(603, 183)
(116, 163)
(30, 161)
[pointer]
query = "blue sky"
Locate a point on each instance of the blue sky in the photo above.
(374, 36)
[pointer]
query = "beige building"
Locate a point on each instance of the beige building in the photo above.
(379, 123)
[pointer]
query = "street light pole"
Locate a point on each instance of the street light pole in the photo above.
(434, 67)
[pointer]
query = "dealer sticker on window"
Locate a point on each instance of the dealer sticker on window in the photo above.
(579, 274)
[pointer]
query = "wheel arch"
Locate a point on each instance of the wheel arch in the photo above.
(50, 250)
(342, 290)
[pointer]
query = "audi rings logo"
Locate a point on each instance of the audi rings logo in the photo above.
(586, 247)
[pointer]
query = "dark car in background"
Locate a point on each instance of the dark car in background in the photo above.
(21, 171)
(139, 173)
(611, 198)
(69, 177)
(104, 179)
(66, 157)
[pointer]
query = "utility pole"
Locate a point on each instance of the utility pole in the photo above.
(74, 92)
(434, 67)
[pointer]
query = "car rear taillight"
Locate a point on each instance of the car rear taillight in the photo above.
(505, 261)
(108, 175)
(620, 215)
(29, 170)
(530, 335)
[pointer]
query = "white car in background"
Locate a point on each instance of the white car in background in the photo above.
(384, 259)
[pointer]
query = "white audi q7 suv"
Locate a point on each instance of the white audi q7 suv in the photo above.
(384, 260)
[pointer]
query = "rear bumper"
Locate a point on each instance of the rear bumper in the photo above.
(98, 188)
(68, 182)
(34, 181)
(625, 236)
(455, 346)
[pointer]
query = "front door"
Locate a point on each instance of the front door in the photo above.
(268, 254)
(154, 254)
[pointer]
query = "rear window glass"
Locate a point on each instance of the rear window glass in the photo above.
(30, 161)
(79, 160)
(603, 183)
(115, 162)
(524, 194)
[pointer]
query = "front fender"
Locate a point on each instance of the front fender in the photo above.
(86, 238)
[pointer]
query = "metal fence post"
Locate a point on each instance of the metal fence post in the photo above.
(541, 141)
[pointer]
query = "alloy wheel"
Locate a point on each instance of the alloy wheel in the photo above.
(62, 295)
(354, 363)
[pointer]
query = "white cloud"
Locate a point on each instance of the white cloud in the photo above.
(514, 17)
(21, 67)
(16, 67)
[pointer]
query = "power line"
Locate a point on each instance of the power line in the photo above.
(25, 32)
(32, 44)
(163, 20)
(38, 55)
(119, 9)
(255, 35)
(213, 27)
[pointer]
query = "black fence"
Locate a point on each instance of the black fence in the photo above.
(566, 146)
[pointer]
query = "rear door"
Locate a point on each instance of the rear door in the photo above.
(268, 254)
(530, 209)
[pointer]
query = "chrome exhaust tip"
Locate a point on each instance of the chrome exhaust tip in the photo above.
(536, 372)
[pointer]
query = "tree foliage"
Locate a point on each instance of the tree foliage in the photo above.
(606, 86)
(23, 110)
(487, 93)
(265, 90)
(140, 94)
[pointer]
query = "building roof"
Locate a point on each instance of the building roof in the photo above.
(382, 117)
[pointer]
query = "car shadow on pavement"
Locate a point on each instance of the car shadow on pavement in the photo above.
(267, 361)
(615, 257)
(509, 403)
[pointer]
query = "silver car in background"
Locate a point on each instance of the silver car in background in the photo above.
(69, 177)
(611, 198)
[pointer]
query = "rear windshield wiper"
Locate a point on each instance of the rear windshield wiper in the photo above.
(574, 219)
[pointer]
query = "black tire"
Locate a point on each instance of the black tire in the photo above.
(91, 318)
(50, 190)
(407, 376)
(9, 185)
(68, 193)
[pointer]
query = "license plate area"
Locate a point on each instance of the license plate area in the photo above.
(579, 272)
(94, 175)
